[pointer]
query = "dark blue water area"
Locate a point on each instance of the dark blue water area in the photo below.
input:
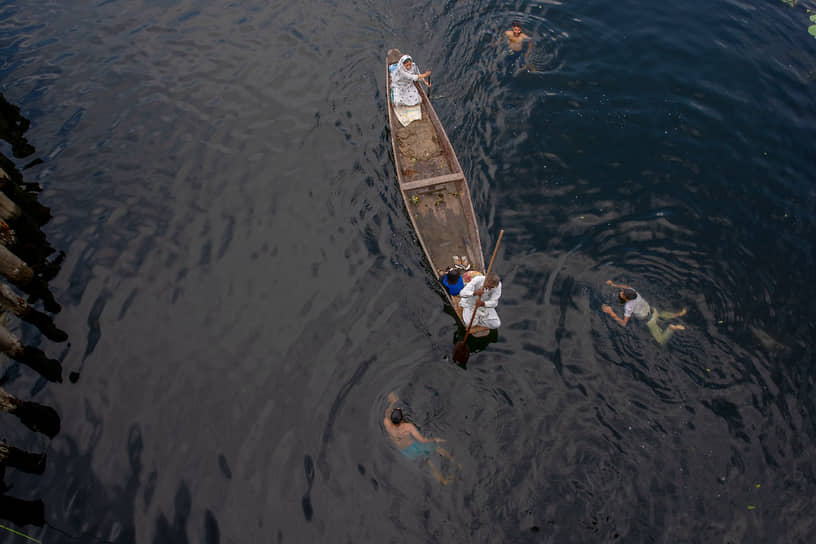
(242, 287)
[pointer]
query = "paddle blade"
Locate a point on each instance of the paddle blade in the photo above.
(461, 353)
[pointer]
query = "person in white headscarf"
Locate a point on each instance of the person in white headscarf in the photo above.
(404, 92)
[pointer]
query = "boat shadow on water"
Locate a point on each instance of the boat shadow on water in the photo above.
(475, 344)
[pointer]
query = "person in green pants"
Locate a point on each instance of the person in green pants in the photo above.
(634, 304)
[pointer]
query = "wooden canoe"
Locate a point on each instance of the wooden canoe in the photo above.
(434, 190)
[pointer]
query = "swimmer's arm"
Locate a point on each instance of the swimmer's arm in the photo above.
(617, 286)
(419, 438)
(416, 434)
(609, 311)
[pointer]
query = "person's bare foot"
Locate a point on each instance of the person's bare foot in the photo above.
(677, 327)
(681, 313)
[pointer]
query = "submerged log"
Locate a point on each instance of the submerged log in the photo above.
(33, 415)
(50, 369)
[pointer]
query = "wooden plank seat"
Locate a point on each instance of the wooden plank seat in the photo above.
(427, 182)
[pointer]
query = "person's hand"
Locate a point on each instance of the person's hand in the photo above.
(479, 303)
(606, 309)
(609, 282)
(478, 292)
(437, 440)
(392, 397)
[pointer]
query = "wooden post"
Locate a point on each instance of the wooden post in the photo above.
(7, 236)
(22, 460)
(12, 267)
(18, 306)
(50, 369)
(35, 416)
(22, 275)
(22, 241)
(10, 344)
(7, 402)
(11, 302)
(8, 209)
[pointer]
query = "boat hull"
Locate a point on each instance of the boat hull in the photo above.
(434, 190)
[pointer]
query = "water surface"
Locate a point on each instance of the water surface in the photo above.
(242, 287)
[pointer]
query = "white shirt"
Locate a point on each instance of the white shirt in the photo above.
(490, 297)
(639, 307)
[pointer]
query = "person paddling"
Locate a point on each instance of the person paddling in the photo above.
(403, 75)
(490, 290)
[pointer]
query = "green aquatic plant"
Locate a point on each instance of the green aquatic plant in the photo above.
(811, 28)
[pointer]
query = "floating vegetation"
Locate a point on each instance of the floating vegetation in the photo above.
(811, 12)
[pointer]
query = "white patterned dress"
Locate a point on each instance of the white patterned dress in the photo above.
(403, 90)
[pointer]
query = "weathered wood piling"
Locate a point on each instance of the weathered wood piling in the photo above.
(35, 416)
(27, 266)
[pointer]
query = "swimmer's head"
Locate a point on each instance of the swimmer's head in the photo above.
(396, 416)
(516, 28)
(627, 294)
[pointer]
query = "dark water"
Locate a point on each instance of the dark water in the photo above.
(242, 288)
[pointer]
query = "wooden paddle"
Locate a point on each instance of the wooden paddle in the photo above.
(461, 351)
